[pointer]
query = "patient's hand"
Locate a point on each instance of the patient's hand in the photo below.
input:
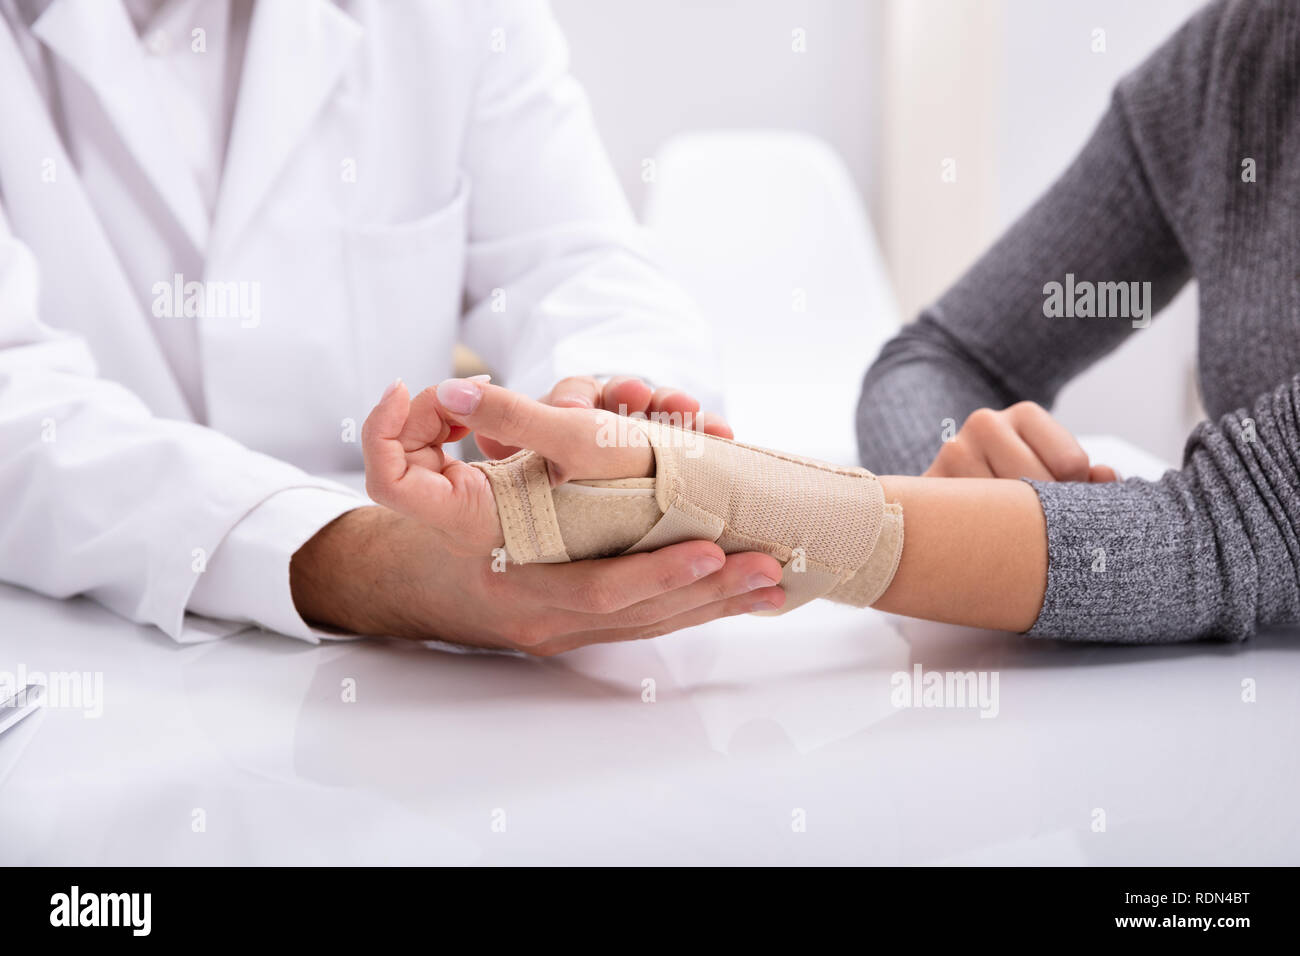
(627, 396)
(1021, 441)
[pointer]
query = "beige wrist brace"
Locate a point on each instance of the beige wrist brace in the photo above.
(829, 526)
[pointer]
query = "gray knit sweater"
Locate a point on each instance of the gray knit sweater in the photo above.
(1159, 194)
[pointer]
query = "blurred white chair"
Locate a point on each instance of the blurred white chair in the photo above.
(768, 232)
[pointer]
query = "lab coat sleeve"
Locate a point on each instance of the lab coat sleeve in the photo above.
(101, 497)
(560, 279)
(247, 580)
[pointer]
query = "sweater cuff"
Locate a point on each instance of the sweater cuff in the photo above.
(1121, 565)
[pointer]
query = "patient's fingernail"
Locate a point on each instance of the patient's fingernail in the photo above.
(480, 378)
(391, 388)
(460, 395)
(757, 581)
(703, 567)
(762, 606)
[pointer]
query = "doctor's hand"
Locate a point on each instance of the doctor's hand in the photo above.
(1021, 441)
(627, 396)
(421, 567)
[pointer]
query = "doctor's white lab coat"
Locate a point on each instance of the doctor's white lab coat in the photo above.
(399, 177)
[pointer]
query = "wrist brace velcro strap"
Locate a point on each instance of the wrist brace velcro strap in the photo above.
(829, 526)
(521, 485)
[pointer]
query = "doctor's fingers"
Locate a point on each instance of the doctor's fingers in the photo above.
(617, 598)
(577, 442)
(730, 607)
(749, 581)
(412, 424)
(425, 424)
(384, 456)
(606, 585)
(411, 482)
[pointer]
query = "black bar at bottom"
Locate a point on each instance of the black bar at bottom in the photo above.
(655, 906)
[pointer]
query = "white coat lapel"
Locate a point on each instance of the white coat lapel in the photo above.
(96, 40)
(297, 52)
(83, 289)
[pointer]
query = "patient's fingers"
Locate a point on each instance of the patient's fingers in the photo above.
(625, 395)
(492, 448)
(673, 401)
(993, 435)
(1100, 474)
(684, 410)
(579, 391)
(1052, 443)
(713, 424)
(1023, 441)
(1009, 456)
(507, 416)
(960, 458)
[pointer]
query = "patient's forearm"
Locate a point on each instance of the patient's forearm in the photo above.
(975, 552)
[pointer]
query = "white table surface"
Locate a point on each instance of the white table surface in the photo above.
(753, 719)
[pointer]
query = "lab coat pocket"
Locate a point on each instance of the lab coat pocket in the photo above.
(406, 287)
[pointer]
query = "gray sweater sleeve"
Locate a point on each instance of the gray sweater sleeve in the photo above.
(1210, 550)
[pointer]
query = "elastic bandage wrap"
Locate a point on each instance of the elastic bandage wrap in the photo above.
(829, 526)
